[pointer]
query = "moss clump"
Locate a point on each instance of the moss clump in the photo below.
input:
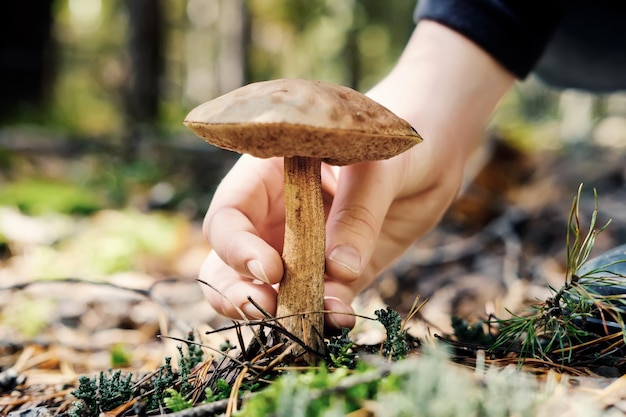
(101, 393)
(395, 345)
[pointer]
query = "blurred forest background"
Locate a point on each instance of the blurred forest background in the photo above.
(109, 82)
(97, 174)
(99, 179)
(114, 79)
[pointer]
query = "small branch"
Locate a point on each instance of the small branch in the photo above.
(145, 293)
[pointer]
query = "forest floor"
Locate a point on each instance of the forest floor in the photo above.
(63, 314)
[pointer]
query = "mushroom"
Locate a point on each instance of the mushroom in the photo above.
(306, 122)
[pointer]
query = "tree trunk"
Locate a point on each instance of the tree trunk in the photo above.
(26, 55)
(141, 96)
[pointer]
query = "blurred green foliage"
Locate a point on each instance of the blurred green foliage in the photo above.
(89, 74)
(209, 47)
(28, 315)
(116, 241)
(121, 356)
(94, 247)
(349, 42)
(40, 195)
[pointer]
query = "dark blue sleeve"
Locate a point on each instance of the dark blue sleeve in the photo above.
(514, 32)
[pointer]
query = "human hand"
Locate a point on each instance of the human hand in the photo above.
(371, 219)
(446, 87)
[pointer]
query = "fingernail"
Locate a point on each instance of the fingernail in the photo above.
(256, 269)
(331, 320)
(251, 311)
(336, 319)
(348, 257)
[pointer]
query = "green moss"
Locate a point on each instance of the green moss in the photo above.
(102, 393)
(395, 345)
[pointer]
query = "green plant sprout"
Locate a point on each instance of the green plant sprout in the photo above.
(101, 394)
(559, 327)
(221, 391)
(340, 350)
(164, 379)
(175, 401)
(395, 345)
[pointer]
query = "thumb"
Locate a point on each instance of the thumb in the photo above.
(362, 199)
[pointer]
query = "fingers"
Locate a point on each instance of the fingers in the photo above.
(245, 227)
(228, 292)
(239, 244)
(245, 221)
(364, 193)
(337, 300)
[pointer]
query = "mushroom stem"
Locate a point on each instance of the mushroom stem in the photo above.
(302, 287)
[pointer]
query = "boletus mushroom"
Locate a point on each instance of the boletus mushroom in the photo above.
(306, 122)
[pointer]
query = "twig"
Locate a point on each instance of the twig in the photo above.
(204, 410)
(146, 293)
(190, 342)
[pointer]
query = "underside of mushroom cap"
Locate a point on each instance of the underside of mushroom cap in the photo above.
(293, 117)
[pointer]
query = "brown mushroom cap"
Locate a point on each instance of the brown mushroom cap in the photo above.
(292, 117)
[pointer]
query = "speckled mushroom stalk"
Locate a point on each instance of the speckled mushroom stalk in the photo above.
(302, 287)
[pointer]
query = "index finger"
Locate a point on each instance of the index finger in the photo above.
(245, 221)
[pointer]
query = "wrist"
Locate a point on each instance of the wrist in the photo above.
(447, 88)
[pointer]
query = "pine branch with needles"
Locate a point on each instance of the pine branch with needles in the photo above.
(560, 327)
